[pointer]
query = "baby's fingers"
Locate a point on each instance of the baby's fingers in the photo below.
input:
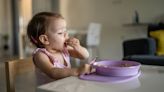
(89, 69)
(93, 70)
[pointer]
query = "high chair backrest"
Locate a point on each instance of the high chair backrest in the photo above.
(14, 68)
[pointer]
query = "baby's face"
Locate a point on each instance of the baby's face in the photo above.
(57, 34)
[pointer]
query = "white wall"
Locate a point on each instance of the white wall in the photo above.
(112, 14)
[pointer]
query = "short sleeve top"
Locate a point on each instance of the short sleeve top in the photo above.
(42, 77)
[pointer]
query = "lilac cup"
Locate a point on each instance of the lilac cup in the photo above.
(116, 68)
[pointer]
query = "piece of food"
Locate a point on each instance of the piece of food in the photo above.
(125, 65)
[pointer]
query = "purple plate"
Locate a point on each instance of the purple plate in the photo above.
(108, 79)
(116, 68)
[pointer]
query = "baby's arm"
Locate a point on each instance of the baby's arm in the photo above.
(43, 63)
(76, 50)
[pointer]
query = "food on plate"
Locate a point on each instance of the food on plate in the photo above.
(121, 65)
(125, 65)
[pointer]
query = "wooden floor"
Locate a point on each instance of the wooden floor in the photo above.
(24, 82)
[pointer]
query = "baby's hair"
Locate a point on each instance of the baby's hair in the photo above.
(38, 26)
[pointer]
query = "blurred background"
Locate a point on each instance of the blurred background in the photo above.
(115, 19)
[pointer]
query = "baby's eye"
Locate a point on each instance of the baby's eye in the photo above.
(61, 33)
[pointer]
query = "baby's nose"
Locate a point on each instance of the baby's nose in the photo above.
(66, 36)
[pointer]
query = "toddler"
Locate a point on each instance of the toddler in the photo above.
(47, 31)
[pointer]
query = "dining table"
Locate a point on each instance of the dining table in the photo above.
(149, 79)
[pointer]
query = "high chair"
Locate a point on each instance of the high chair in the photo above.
(14, 68)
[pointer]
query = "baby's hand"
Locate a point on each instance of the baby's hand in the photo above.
(73, 42)
(85, 69)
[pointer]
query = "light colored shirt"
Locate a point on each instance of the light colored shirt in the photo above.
(41, 77)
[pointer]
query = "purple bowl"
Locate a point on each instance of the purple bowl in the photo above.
(117, 68)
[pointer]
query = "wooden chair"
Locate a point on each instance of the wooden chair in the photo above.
(14, 68)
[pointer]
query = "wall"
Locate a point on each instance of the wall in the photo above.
(25, 15)
(41, 5)
(112, 14)
(5, 24)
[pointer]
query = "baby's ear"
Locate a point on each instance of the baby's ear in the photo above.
(44, 39)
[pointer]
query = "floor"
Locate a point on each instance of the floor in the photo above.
(24, 83)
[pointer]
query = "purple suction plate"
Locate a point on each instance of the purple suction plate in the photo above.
(116, 68)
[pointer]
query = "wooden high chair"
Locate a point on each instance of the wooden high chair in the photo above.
(14, 68)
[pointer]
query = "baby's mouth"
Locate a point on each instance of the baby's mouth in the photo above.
(65, 44)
